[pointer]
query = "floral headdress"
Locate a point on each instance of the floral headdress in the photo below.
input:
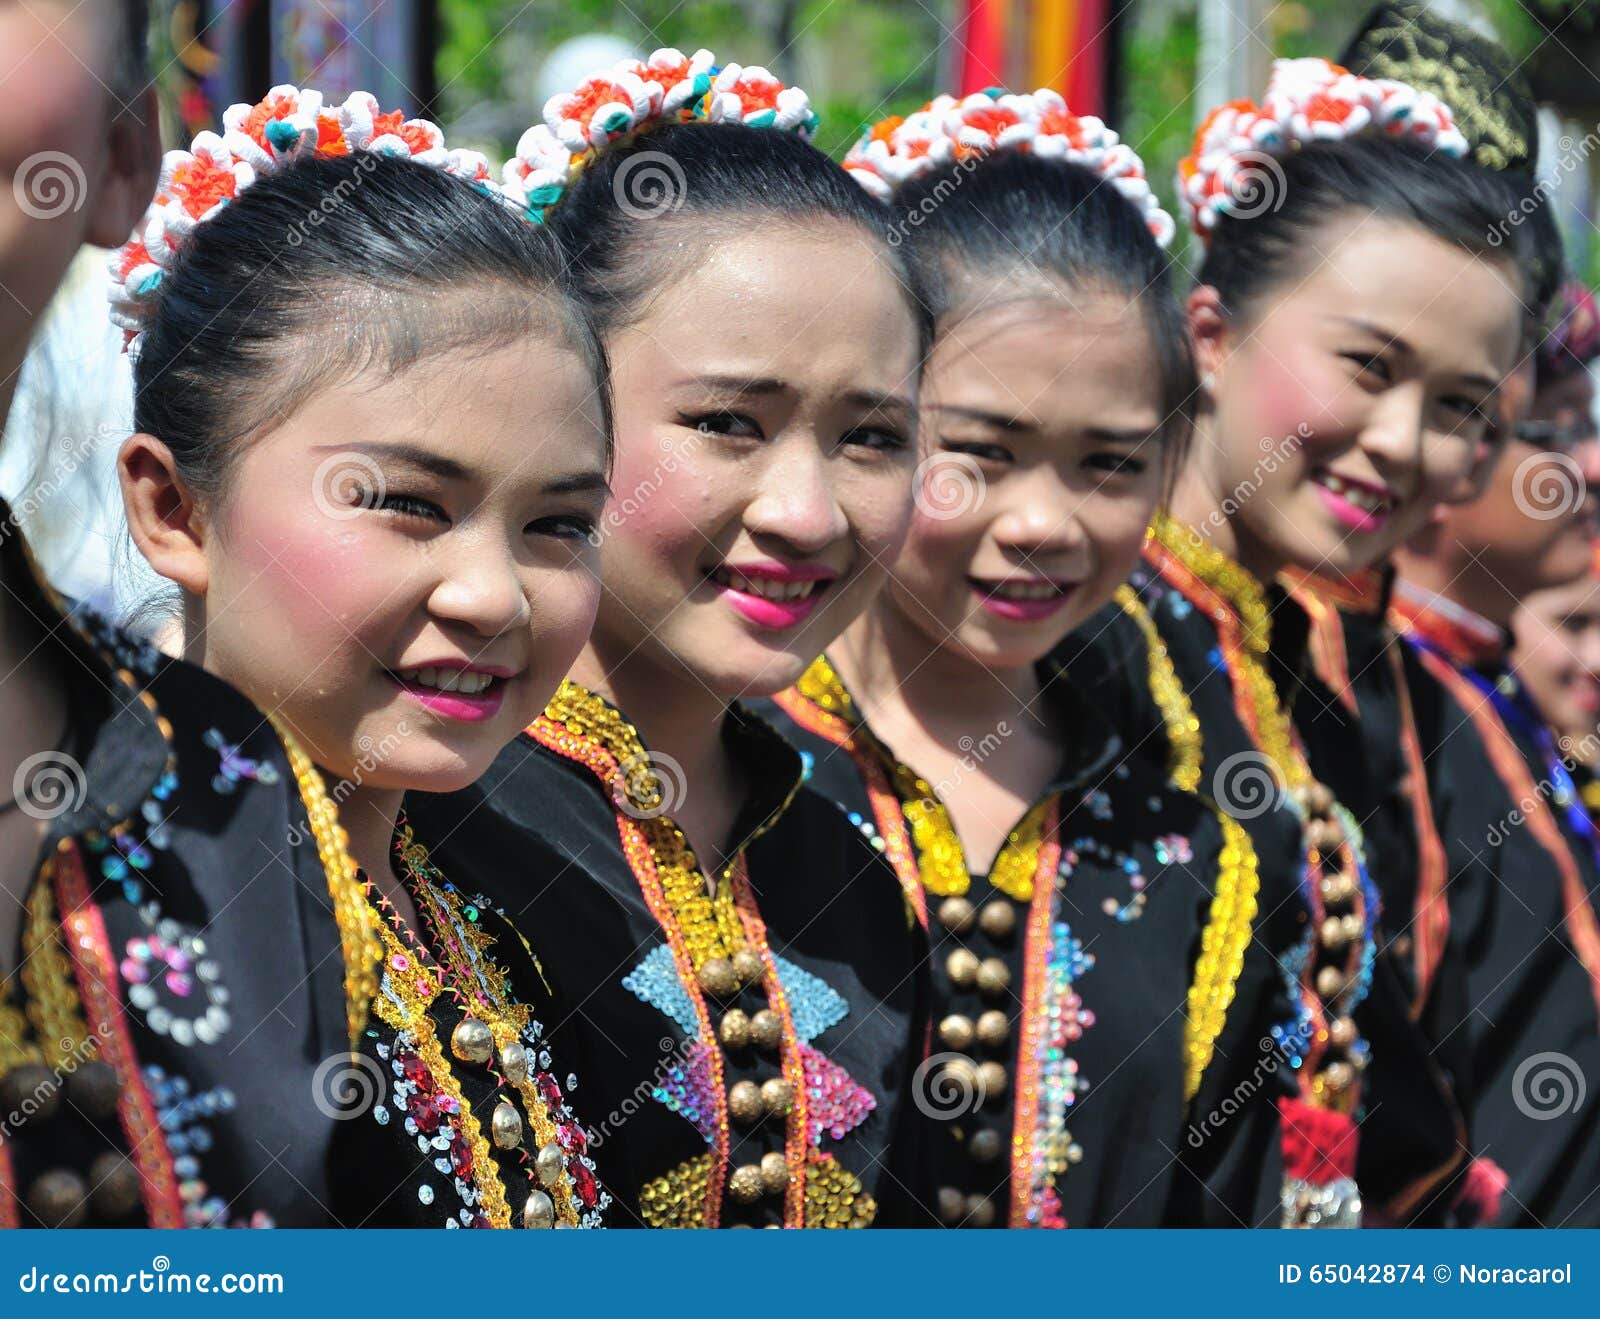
(1232, 168)
(897, 149)
(288, 123)
(635, 96)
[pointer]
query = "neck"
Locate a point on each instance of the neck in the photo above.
(369, 816)
(1199, 501)
(1467, 583)
(890, 665)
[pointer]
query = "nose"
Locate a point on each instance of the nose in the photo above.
(796, 499)
(1392, 437)
(1041, 515)
(478, 587)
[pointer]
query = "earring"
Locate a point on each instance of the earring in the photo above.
(1208, 381)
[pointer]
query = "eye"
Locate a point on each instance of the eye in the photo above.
(410, 506)
(1116, 464)
(875, 437)
(722, 422)
(1471, 408)
(1371, 364)
(564, 526)
(991, 453)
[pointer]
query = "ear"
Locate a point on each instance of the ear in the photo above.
(1210, 333)
(133, 162)
(164, 517)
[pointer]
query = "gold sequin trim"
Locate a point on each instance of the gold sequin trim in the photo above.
(358, 923)
(49, 981)
(1222, 950)
(677, 1198)
(834, 1197)
(1177, 711)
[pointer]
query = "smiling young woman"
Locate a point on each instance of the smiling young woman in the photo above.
(738, 943)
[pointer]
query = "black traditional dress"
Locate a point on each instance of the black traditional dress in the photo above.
(753, 1041)
(198, 960)
(1098, 1065)
(1372, 1109)
(1523, 877)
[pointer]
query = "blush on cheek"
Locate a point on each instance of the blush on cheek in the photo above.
(318, 573)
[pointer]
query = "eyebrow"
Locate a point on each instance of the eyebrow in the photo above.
(413, 455)
(872, 400)
(1014, 425)
(1487, 382)
(579, 483)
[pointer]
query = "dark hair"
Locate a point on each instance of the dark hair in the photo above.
(131, 72)
(695, 172)
(1014, 214)
(1462, 203)
(334, 263)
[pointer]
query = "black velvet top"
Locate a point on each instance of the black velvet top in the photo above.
(753, 1047)
(1092, 1066)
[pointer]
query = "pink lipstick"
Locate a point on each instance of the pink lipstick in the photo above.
(773, 595)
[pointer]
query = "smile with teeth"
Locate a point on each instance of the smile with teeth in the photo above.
(766, 588)
(1368, 501)
(1021, 590)
(461, 681)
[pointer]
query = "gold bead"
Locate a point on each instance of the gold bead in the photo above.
(58, 1198)
(514, 1063)
(744, 1184)
(117, 1189)
(1342, 1032)
(471, 1041)
(539, 1211)
(979, 1211)
(748, 966)
(1333, 935)
(998, 918)
(1338, 1076)
(985, 1145)
(993, 1079)
(774, 1173)
(745, 1104)
(93, 1090)
(960, 1074)
(506, 1126)
(962, 968)
(955, 1032)
(766, 1029)
(994, 977)
(1354, 927)
(734, 1030)
(549, 1164)
(994, 1029)
(1337, 890)
(32, 1084)
(955, 914)
(952, 1206)
(718, 978)
(1330, 981)
(778, 1095)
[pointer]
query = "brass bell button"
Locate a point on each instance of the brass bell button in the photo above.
(539, 1210)
(734, 1030)
(766, 1029)
(777, 1095)
(1338, 1076)
(1354, 927)
(952, 1206)
(745, 1104)
(744, 1184)
(994, 1029)
(748, 966)
(994, 977)
(1337, 890)
(1342, 1032)
(1330, 982)
(514, 1063)
(471, 1041)
(549, 1164)
(117, 1191)
(718, 978)
(774, 1173)
(58, 1198)
(993, 1079)
(998, 919)
(961, 1073)
(1333, 935)
(93, 1089)
(962, 968)
(505, 1125)
(979, 1211)
(985, 1145)
(955, 914)
(956, 1032)
(30, 1086)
